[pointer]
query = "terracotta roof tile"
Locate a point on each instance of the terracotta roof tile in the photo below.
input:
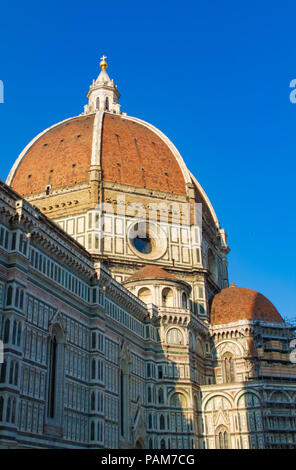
(60, 157)
(238, 303)
(133, 154)
(150, 272)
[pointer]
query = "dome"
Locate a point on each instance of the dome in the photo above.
(131, 154)
(238, 303)
(151, 272)
(116, 148)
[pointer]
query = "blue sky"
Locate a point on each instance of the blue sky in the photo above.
(214, 76)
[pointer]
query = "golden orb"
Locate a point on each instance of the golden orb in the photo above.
(103, 63)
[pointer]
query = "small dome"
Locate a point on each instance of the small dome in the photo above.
(151, 272)
(238, 303)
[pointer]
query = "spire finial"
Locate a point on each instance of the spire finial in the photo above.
(103, 63)
(103, 95)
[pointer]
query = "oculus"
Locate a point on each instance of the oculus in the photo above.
(147, 241)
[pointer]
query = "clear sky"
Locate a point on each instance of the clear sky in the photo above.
(212, 75)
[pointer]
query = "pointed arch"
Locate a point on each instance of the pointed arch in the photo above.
(55, 372)
(228, 367)
(222, 437)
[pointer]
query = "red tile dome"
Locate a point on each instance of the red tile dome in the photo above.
(151, 272)
(131, 153)
(238, 303)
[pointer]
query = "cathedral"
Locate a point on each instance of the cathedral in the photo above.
(119, 326)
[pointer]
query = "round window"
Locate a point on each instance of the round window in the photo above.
(144, 245)
(147, 240)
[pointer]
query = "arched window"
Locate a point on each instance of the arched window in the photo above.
(52, 378)
(92, 431)
(150, 444)
(178, 400)
(6, 330)
(167, 297)
(225, 440)
(161, 422)
(3, 372)
(174, 336)
(55, 373)
(93, 340)
(13, 241)
(14, 332)
(184, 300)
(17, 294)
(12, 418)
(12, 372)
(162, 444)
(212, 265)
(221, 440)
(124, 394)
(160, 396)
(107, 104)
(98, 103)
(93, 369)
(222, 437)
(100, 370)
(160, 372)
(144, 294)
(149, 395)
(195, 402)
(228, 371)
(9, 295)
(150, 421)
(93, 401)
(21, 299)
(19, 333)
(8, 408)
(102, 402)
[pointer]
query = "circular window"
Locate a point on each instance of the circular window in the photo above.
(143, 245)
(147, 240)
